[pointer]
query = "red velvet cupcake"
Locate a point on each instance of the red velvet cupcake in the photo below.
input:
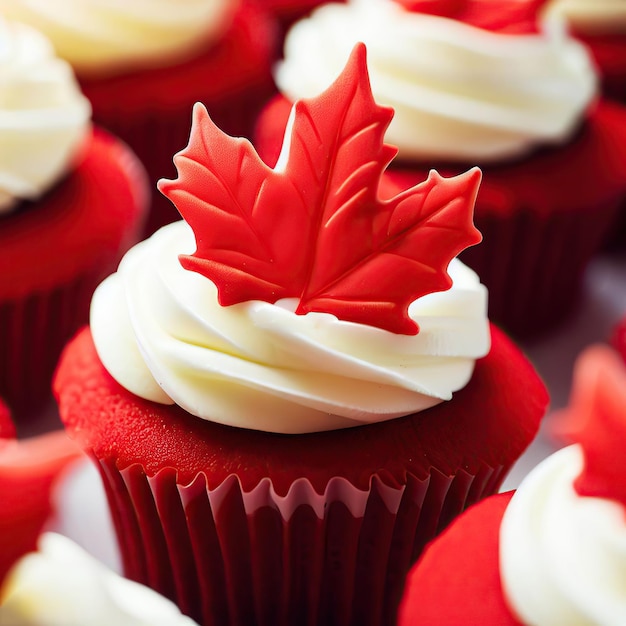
(72, 201)
(483, 85)
(144, 64)
(273, 414)
(553, 552)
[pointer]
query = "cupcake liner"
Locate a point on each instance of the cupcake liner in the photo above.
(227, 556)
(533, 265)
(33, 331)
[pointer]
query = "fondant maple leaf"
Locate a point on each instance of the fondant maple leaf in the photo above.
(314, 228)
(596, 419)
(502, 16)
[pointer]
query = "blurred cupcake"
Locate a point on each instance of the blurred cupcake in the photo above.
(553, 552)
(144, 64)
(483, 84)
(72, 200)
(61, 584)
(601, 25)
(273, 414)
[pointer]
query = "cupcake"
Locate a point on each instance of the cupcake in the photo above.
(483, 86)
(553, 552)
(601, 25)
(61, 584)
(144, 64)
(72, 200)
(287, 394)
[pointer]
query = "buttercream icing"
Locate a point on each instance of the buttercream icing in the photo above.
(459, 92)
(563, 556)
(109, 36)
(161, 333)
(592, 16)
(44, 118)
(62, 584)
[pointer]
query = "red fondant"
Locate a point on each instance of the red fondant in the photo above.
(501, 16)
(316, 228)
(595, 419)
(457, 580)
(28, 470)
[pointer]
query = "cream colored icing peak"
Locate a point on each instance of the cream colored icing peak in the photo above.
(62, 585)
(459, 92)
(563, 556)
(112, 36)
(161, 333)
(44, 118)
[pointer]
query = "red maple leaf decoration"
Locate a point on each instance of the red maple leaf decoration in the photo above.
(618, 338)
(596, 419)
(314, 228)
(502, 16)
(7, 429)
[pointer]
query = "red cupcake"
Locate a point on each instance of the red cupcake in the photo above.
(553, 552)
(482, 83)
(272, 414)
(144, 64)
(72, 201)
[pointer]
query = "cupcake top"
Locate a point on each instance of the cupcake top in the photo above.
(104, 37)
(563, 535)
(300, 308)
(468, 82)
(62, 584)
(592, 17)
(44, 118)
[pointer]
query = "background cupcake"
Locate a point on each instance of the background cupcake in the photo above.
(553, 552)
(143, 65)
(280, 462)
(483, 84)
(72, 200)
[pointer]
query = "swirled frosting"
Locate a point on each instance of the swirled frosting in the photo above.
(62, 584)
(161, 333)
(44, 118)
(459, 92)
(109, 36)
(592, 16)
(563, 556)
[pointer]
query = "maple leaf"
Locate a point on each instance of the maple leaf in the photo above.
(314, 227)
(596, 419)
(501, 16)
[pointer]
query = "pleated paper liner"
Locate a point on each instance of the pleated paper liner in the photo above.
(230, 557)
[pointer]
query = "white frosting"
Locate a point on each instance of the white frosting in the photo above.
(44, 118)
(161, 333)
(592, 16)
(108, 36)
(459, 92)
(61, 585)
(563, 556)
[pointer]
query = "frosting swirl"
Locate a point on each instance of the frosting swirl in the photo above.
(546, 581)
(161, 333)
(459, 92)
(44, 118)
(108, 36)
(62, 584)
(593, 17)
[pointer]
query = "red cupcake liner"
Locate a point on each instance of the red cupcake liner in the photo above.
(533, 265)
(227, 556)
